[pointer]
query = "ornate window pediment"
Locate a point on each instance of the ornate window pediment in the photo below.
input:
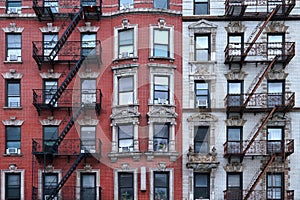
(202, 24)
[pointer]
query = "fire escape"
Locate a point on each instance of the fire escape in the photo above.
(261, 54)
(65, 53)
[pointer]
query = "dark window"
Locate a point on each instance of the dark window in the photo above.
(50, 134)
(161, 45)
(275, 139)
(53, 4)
(125, 133)
(13, 139)
(13, 47)
(12, 186)
(125, 87)
(202, 47)
(274, 186)
(88, 91)
(234, 140)
(235, 92)
(88, 186)
(275, 93)
(88, 44)
(200, 7)
(234, 186)
(201, 185)
(201, 140)
(161, 89)
(50, 88)
(126, 43)
(125, 4)
(161, 185)
(13, 93)
(49, 42)
(126, 190)
(13, 6)
(88, 139)
(202, 94)
(50, 181)
(161, 137)
(164, 4)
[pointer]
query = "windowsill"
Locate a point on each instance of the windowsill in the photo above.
(161, 104)
(152, 154)
(13, 155)
(12, 62)
(134, 58)
(125, 105)
(12, 108)
(202, 62)
(152, 58)
(114, 156)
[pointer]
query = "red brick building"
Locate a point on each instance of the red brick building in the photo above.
(91, 99)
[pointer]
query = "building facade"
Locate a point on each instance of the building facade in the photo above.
(240, 114)
(91, 99)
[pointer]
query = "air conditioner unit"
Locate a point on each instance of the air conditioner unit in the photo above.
(162, 101)
(124, 54)
(202, 103)
(12, 151)
(12, 10)
(125, 6)
(47, 196)
(13, 57)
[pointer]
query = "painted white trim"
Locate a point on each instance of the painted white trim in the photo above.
(3, 173)
(78, 181)
(135, 182)
(171, 181)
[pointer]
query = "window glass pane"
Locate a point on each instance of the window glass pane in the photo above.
(234, 180)
(13, 133)
(274, 133)
(126, 37)
(125, 4)
(125, 131)
(202, 42)
(275, 87)
(161, 80)
(275, 38)
(161, 36)
(50, 180)
(201, 180)
(161, 130)
(88, 180)
(161, 4)
(50, 132)
(126, 84)
(234, 134)
(13, 41)
(161, 179)
(13, 89)
(234, 88)
(13, 186)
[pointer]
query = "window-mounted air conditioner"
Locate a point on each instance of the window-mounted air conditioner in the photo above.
(13, 57)
(13, 10)
(47, 196)
(162, 101)
(12, 151)
(202, 103)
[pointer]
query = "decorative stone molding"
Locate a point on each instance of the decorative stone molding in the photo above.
(206, 117)
(234, 167)
(13, 29)
(88, 122)
(235, 122)
(126, 68)
(88, 75)
(125, 114)
(276, 27)
(167, 66)
(12, 74)
(125, 166)
(161, 22)
(162, 113)
(277, 75)
(125, 23)
(201, 161)
(235, 27)
(162, 165)
(88, 28)
(236, 75)
(50, 122)
(50, 29)
(12, 122)
(277, 120)
(50, 75)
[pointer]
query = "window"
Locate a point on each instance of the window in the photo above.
(161, 46)
(53, 4)
(275, 93)
(126, 43)
(14, 6)
(274, 186)
(200, 7)
(50, 88)
(161, 185)
(275, 45)
(202, 94)
(126, 190)
(13, 139)
(88, 139)
(161, 89)
(88, 44)
(50, 41)
(234, 186)
(126, 94)
(12, 186)
(234, 140)
(50, 181)
(201, 140)
(235, 91)
(50, 134)
(275, 140)
(201, 186)
(125, 4)
(236, 44)
(161, 137)
(125, 133)
(88, 186)
(13, 93)
(88, 91)
(13, 47)
(163, 4)
(88, 2)
(202, 47)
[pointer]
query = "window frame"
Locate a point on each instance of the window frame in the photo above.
(236, 46)
(14, 96)
(235, 99)
(157, 44)
(166, 186)
(16, 49)
(88, 45)
(156, 99)
(91, 190)
(200, 96)
(17, 186)
(17, 130)
(125, 5)
(126, 54)
(273, 48)
(53, 4)
(199, 3)
(129, 92)
(205, 188)
(88, 92)
(278, 95)
(205, 140)
(88, 144)
(161, 143)
(237, 146)
(129, 138)
(234, 192)
(52, 141)
(161, 7)
(49, 92)
(48, 45)
(204, 49)
(270, 187)
(51, 186)
(275, 146)
(17, 7)
(120, 174)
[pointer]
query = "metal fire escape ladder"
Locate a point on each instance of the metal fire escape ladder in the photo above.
(274, 11)
(66, 176)
(67, 128)
(259, 130)
(258, 176)
(260, 78)
(60, 43)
